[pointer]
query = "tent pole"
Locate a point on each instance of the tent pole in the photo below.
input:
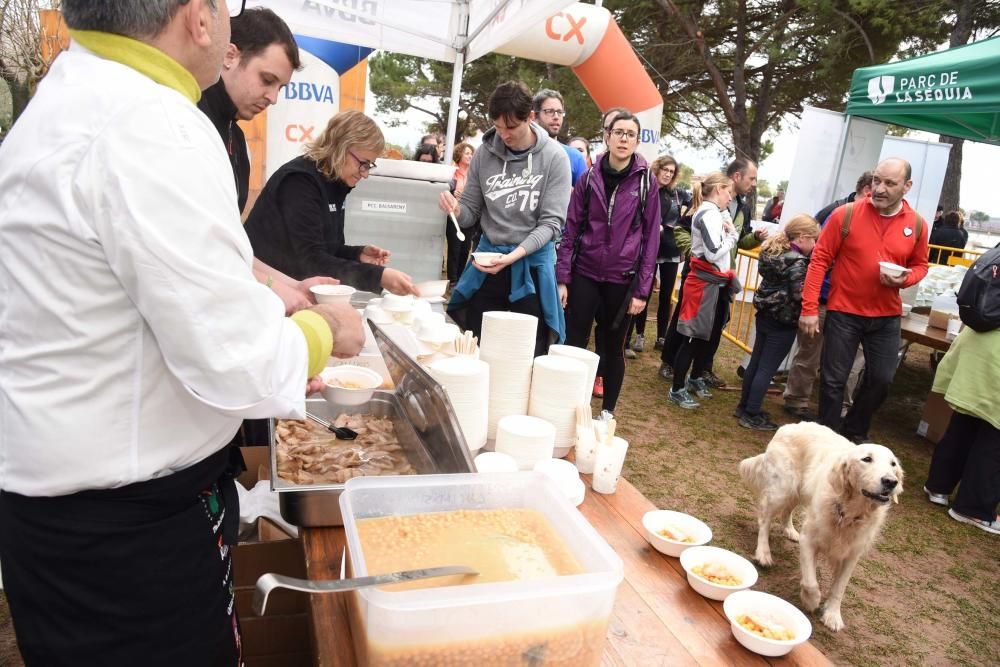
(456, 91)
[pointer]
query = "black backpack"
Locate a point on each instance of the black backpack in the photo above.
(979, 295)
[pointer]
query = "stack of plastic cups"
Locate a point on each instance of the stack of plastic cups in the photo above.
(467, 383)
(508, 346)
(555, 381)
(587, 357)
(527, 439)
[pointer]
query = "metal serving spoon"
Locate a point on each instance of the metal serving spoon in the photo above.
(342, 432)
(268, 582)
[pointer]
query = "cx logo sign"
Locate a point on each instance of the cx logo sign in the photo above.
(298, 134)
(562, 27)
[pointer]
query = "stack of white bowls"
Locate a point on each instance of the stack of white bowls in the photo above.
(467, 382)
(527, 439)
(508, 346)
(566, 477)
(588, 358)
(556, 383)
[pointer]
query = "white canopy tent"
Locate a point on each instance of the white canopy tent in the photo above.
(456, 31)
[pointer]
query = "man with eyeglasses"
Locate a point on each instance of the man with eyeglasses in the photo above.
(126, 371)
(548, 111)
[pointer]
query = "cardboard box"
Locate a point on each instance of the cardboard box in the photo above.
(280, 638)
(939, 318)
(934, 420)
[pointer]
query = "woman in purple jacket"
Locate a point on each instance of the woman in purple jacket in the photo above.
(608, 251)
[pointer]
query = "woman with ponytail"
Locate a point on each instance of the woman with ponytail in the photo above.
(784, 258)
(710, 283)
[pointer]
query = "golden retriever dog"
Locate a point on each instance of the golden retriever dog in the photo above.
(845, 490)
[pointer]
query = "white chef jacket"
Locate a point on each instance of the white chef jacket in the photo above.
(133, 336)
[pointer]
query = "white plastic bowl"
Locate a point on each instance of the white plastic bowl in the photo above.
(906, 309)
(432, 288)
(659, 519)
(495, 462)
(367, 379)
(738, 565)
(486, 258)
(332, 293)
(771, 607)
(891, 270)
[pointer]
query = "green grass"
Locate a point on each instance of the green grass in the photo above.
(927, 593)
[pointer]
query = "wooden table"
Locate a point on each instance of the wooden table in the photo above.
(913, 328)
(658, 619)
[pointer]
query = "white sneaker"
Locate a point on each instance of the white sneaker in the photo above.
(988, 526)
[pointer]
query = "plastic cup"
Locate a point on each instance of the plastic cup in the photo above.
(608, 465)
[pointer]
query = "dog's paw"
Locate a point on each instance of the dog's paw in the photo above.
(764, 558)
(792, 534)
(832, 620)
(810, 598)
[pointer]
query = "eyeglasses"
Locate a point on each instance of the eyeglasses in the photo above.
(364, 165)
(236, 7)
(619, 133)
(557, 113)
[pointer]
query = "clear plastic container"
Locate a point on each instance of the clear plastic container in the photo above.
(558, 621)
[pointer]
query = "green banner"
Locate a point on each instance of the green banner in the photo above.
(954, 92)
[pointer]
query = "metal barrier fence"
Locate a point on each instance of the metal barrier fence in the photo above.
(741, 311)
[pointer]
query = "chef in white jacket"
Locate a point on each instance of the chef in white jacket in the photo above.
(133, 340)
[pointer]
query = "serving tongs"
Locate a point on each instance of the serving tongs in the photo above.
(268, 582)
(342, 432)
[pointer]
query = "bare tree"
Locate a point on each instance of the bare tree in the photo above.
(22, 63)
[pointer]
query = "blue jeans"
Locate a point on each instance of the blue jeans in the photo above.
(842, 333)
(771, 344)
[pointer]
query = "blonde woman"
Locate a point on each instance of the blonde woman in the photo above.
(707, 289)
(784, 258)
(297, 223)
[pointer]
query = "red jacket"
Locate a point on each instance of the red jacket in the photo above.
(854, 283)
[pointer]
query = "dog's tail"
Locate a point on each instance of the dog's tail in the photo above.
(752, 471)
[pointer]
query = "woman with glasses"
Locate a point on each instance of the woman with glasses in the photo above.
(297, 223)
(608, 252)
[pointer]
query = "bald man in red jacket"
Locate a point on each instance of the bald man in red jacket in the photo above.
(864, 306)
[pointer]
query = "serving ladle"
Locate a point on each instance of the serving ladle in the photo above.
(268, 582)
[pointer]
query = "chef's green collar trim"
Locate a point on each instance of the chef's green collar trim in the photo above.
(141, 57)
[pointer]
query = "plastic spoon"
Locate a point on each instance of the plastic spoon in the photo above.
(458, 231)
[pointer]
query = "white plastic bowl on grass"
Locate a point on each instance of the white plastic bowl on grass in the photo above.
(349, 385)
(737, 565)
(657, 520)
(772, 610)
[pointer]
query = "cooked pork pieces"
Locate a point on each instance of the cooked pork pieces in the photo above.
(309, 454)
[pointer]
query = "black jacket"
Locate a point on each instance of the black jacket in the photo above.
(217, 105)
(947, 235)
(297, 226)
(672, 203)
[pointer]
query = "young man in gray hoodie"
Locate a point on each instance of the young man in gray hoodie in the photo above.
(518, 190)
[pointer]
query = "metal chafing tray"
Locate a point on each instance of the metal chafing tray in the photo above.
(422, 417)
